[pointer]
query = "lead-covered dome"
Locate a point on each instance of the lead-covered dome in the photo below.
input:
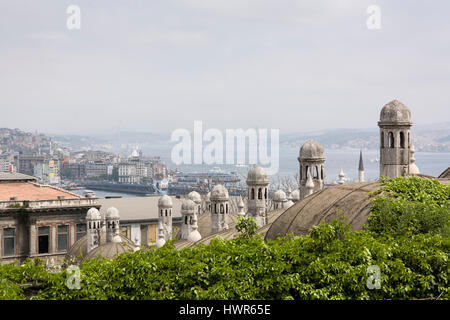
(110, 250)
(295, 195)
(195, 196)
(395, 112)
(78, 251)
(257, 175)
(188, 205)
(311, 150)
(351, 201)
(165, 201)
(219, 193)
(93, 214)
(279, 196)
(112, 214)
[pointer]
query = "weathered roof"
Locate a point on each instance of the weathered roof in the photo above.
(445, 174)
(15, 176)
(110, 250)
(311, 150)
(395, 112)
(258, 176)
(351, 201)
(229, 233)
(138, 208)
(33, 191)
(78, 250)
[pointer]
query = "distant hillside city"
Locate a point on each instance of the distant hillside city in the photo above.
(51, 161)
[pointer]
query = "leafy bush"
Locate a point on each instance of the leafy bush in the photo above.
(411, 206)
(330, 263)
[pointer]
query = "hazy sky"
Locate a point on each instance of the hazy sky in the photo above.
(159, 65)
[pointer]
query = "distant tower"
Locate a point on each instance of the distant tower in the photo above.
(165, 215)
(195, 196)
(241, 206)
(258, 184)
(361, 168)
(93, 221)
(278, 199)
(311, 161)
(219, 208)
(395, 124)
(188, 208)
(341, 177)
(309, 186)
(413, 169)
(112, 225)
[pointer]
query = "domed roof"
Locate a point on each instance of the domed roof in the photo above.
(219, 193)
(295, 195)
(194, 236)
(311, 150)
(188, 205)
(165, 201)
(112, 213)
(93, 214)
(195, 196)
(110, 250)
(351, 201)
(257, 175)
(395, 112)
(279, 195)
(78, 250)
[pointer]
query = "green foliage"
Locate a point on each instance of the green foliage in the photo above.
(330, 263)
(247, 227)
(411, 206)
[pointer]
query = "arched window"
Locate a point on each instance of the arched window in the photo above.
(391, 140)
(259, 193)
(185, 220)
(306, 172)
(321, 172)
(265, 193)
(301, 172)
(402, 139)
(166, 212)
(316, 173)
(215, 207)
(221, 208)
(382, 139)
(170, 212)
(199, 209)
(253, 194)
(226, 208)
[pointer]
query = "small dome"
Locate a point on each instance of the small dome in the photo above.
(194, 236)
(396, 112)
(312, 150)
(219, 193)
(188, 205)
(78, 250)
(195, 196)
(165, 201)
(257, 175)
(93, 214)
(295, 195)
(279, 196)
(110, 250)
(160, 242)
(112, 213)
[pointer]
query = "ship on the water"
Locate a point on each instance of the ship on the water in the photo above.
(121, 187)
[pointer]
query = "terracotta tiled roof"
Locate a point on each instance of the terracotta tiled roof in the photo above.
(33, 191)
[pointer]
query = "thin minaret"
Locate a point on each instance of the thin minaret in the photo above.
(361, 167)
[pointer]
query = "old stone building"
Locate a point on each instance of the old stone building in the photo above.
(38, 220)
